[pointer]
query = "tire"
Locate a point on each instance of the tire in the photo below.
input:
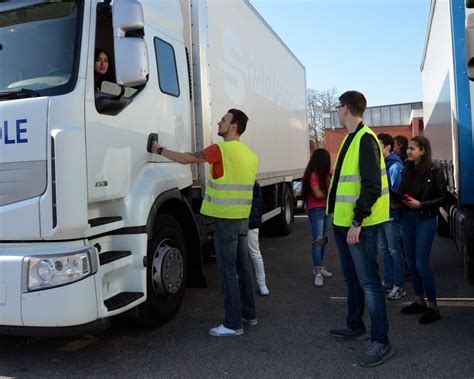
(443, 226)
(468, 249)
(281, 225)
(166, 272)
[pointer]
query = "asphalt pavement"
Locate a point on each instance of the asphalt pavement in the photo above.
(290, 340)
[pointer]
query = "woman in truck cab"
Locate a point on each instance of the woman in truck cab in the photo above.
(101, 68)
(424, 190)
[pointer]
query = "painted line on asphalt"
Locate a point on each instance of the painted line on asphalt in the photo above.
(442, 301)
(467, 299)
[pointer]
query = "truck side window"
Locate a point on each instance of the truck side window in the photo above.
(167, 71)
(110, 98)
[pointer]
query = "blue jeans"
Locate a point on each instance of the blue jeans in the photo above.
(361, 274)
(235, 272)
(418, 234)
(390, 244)
(319, 225)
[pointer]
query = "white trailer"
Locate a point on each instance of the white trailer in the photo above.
(448, 116)
(91, 224)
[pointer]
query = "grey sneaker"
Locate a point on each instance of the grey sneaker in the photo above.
(251, 322)
(396, 293)
(345, 332)
(377, 353)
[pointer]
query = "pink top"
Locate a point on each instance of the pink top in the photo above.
(311, 201)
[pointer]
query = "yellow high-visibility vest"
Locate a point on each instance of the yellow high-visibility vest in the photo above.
(349, 186)
(230, 196)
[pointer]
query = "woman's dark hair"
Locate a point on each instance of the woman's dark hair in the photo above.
(414, 176)
(402, 141)
(97, 52)
(320, 162)
(108, 75)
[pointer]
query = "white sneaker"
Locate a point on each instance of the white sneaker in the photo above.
(318, 280)
(222, 331)
(325, 272)
(262, 287)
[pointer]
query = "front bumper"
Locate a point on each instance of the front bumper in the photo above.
(71, 305)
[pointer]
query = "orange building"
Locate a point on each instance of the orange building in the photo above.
(405, 119)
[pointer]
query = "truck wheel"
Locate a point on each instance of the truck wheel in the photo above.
(468, 249)
(281, 225)
(443, 226)
(166, 272)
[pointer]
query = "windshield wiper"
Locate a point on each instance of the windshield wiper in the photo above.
(18, 93)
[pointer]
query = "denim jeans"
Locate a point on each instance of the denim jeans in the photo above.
(319, 225)
(418, 234)
(390, 244)
(235, 272)
(361, 274)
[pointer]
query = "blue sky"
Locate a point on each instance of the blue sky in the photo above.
(374, 46)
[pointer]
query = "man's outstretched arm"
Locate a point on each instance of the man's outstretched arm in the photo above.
(175, 156)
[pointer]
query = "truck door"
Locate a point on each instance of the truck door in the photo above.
(119, 119)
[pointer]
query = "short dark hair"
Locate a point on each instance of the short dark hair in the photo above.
(386, 140)
(355, 101)
(239, 118)
(401, 140)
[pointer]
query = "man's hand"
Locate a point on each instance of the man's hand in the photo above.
(155, 146)
(353, 235)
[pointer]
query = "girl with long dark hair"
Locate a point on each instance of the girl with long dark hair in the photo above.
(424, 190)
(315, 189)
(101, 67)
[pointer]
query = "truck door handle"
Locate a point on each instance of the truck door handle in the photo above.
(152, 137)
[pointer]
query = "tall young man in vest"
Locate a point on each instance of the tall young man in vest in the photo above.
(359, 199)
(228, 198)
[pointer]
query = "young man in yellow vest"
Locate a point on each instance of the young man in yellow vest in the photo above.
(359, 199)
(228, 199)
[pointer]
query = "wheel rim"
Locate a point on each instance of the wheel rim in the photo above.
(287, 210)
(168, 269)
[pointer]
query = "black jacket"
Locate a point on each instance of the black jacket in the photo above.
(255, 218)
(371, 178)
(433, 193)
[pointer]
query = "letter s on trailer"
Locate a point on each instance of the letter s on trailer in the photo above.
(91, 224)
(448, 115)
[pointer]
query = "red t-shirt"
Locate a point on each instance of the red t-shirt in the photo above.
(311, 201)
(214, 157)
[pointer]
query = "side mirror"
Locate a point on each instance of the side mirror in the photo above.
(131, 61)
(470, 46)
(131, 55)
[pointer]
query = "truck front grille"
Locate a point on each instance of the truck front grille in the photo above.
(21, 180)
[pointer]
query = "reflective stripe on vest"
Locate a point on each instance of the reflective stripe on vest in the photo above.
(349, 186)
(230, 187)
(227, 201)
(230, 196)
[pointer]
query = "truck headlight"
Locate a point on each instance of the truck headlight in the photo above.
(52, 271)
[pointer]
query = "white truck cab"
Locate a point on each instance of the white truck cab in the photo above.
(91, 224)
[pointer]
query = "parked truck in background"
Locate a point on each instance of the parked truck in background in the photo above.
(91, 224)
(447, 71)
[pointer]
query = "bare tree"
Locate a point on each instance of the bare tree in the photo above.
(319, 103)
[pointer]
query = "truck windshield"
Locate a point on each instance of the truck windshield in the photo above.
(38, 47)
